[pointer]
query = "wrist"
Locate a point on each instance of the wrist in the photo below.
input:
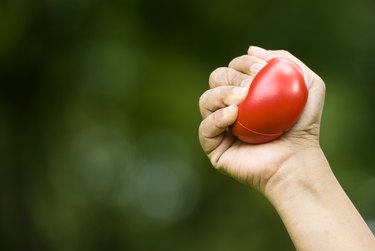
(314, 208)
(306, 173)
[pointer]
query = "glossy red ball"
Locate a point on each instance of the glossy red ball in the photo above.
(275, 101)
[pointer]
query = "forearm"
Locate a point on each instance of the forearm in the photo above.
(314, 208)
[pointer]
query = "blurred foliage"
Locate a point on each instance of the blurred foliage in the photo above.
(99, 118)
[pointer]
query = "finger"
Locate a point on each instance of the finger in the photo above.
(220, 97)
(314, 105)
(212, 129)
(247, 64)
(267, 55)
(228, 76)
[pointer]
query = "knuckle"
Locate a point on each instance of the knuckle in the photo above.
(238, 60)
(201, 129)
(216, 75)
(202, 140)
(233, 61)
(203, 98)
(204, 132)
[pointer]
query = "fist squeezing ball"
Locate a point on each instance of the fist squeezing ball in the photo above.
(276, 99)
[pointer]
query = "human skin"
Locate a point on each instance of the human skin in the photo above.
(292, 172)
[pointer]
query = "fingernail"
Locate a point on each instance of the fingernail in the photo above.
(240, 90)
(229, 109)
(246, 82)
(255, 68)
(256, 48)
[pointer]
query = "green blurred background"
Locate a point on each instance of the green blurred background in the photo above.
(99, 117)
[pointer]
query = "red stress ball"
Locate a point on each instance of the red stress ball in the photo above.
(276, 99)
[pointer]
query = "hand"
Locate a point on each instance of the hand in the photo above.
(255, 165)
(292, 171)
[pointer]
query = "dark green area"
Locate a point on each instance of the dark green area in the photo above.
(99, 117)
